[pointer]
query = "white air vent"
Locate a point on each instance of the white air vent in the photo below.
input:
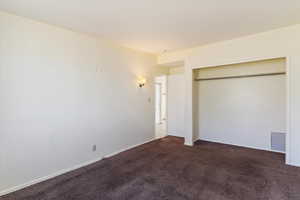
(278, 141)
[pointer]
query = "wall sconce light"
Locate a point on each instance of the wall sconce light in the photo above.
(141, 82)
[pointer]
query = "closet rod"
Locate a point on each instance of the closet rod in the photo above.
(241, 76)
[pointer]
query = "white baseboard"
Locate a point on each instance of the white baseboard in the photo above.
(238, 145)
(188, 143)
(175, 135)
(41, 179)
(251, 147)
(293, 164)
(63, 171)
(127, 148)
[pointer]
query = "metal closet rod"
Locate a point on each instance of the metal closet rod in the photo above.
(241, 76)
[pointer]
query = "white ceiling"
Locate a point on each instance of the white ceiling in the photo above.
(157, 25)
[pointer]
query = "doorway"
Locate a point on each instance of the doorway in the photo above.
(160, 106)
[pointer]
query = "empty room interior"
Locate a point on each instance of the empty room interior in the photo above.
(149, 100)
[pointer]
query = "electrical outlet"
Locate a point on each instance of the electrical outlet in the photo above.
(149, 99)
(94, 147)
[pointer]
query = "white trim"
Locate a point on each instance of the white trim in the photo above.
(41, 179)
(238, 61)
(128, 148)
(288, 111)
(63, 171)
(238, 145)
(188, 144)
(165, 120)
(167, 106)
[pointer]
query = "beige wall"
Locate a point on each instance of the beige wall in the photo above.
(176, 96)
(272, 44)
(61, 92)
(176, 70)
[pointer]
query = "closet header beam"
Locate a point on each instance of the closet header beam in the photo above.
(241, 76)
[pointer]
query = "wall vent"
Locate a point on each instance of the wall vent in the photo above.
(278, 141)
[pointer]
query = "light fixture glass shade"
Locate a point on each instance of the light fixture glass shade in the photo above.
(141, 81)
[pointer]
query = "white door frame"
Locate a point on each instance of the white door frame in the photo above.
(166, 105)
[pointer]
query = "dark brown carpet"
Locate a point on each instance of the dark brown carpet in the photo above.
(166, 169)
